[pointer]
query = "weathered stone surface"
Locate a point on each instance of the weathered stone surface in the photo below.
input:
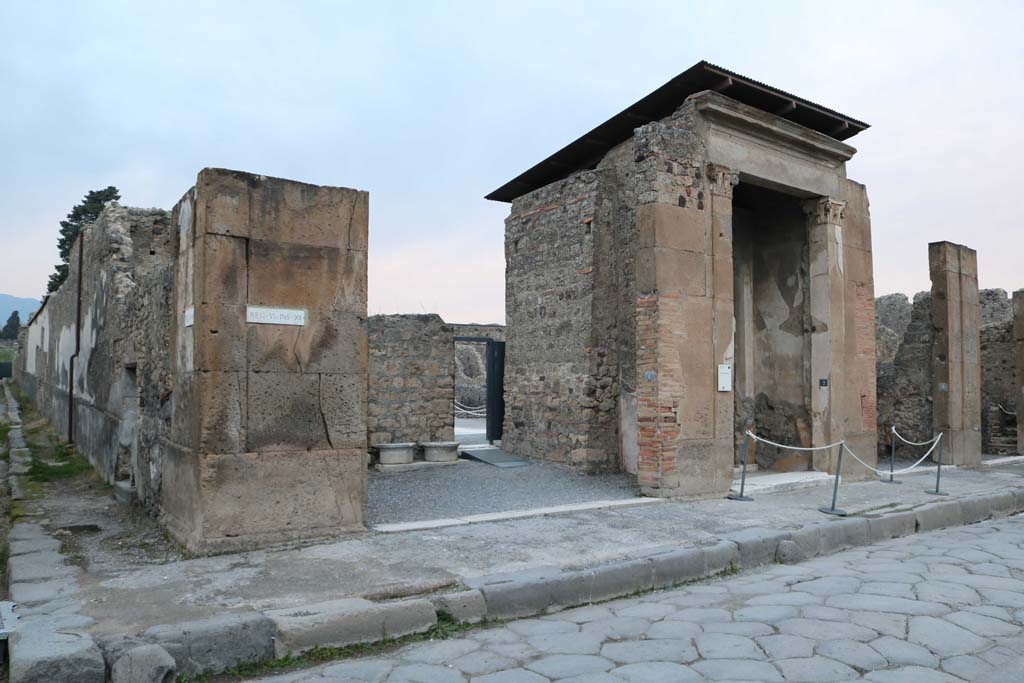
(412, 379)
(347, 622)
(143, 664)
(217, 643)
(178, 395)
(46, 657)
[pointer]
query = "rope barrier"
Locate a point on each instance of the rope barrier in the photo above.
(998, 405)
(934, 443)
(833, 510)
(791, 448)
(463, 406)
(915, 443)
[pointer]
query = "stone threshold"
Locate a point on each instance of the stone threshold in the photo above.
(780, 482)
(399, 527)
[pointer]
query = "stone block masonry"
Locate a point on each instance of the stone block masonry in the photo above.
(411, 379)
(956, 350)
(216, 358)
(622, 304)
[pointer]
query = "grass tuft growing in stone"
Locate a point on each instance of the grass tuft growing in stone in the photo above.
(446, 627)
(64, 463)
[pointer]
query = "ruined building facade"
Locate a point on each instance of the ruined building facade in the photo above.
(708, 272)
(212, 361)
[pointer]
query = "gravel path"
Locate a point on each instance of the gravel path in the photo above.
(939, 607)
(472, 487)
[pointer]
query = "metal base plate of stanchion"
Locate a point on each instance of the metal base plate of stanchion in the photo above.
(890, 481)
(833, 511)
(936, 493)
(736, 496)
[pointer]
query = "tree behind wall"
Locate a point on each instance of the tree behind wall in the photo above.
(81, 215)
(10, 329)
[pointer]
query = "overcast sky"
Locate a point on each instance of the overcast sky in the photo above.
(429, 106)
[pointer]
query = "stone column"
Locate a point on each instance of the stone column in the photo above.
(1018, 344)
(828, 320)
(684, 332)
(956, 351)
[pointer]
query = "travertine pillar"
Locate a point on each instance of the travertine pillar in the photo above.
(828, 320)
(956, 351)
(684, 332)
(268, 429)
(1018, 341)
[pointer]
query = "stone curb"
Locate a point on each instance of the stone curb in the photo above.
(536, 592)
(217, 643)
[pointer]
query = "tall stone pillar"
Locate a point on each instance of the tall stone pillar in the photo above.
(956, 351)
(828, 321)
(268, 427)
(1018, 343)
(684, 333)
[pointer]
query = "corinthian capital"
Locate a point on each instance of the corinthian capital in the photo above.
(824, 210)
(722, 179)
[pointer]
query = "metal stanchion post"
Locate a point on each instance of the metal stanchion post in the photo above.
(892, 459)
(835, 489)
(937, 491)
(743, 473)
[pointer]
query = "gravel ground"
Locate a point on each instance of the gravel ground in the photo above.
(473, 488)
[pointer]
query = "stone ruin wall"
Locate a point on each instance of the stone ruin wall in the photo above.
(552, 392)
(105, 351)
(411, 379)
(235, 434)
(905, 335)
(471, 362)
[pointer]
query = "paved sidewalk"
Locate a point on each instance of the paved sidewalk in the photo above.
(125, 590)
(940, 607)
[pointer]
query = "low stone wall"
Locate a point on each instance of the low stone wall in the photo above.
(412, 379)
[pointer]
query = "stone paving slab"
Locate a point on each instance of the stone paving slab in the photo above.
(428, 560)
(777, 623)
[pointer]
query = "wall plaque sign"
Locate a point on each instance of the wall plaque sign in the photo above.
(190, 316)
(266, 315)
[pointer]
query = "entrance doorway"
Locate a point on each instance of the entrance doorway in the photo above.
(479, 405)
(772, 315)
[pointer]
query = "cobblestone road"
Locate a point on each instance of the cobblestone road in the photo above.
(943, 606)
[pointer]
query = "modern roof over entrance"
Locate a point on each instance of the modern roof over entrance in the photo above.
(588, 150)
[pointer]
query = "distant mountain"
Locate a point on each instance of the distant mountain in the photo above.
(25, 307)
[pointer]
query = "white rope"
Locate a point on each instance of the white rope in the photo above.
(463, 406)
(1005, 410)
(905, 440)
(894, 472)
(792, 448)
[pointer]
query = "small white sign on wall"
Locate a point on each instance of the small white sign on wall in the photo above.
(190, 316)
(266, 315)
(725, 377)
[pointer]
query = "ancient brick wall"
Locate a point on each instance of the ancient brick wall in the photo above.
(411, 379)
(552, 386)
(234, 428)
